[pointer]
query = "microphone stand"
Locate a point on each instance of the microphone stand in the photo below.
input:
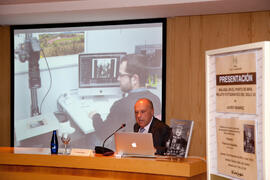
(106, 151)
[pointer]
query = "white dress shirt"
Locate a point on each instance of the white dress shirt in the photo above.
(146, 128)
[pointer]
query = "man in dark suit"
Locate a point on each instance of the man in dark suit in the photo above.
(147, 123)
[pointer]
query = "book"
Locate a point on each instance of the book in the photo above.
(178, 144)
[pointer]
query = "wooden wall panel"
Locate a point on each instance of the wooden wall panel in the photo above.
(185, 77)
(260, 26)
(4, 86)
(225, 30)
(197, 89)
(180, 26)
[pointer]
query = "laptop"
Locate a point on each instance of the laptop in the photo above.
(134, 144)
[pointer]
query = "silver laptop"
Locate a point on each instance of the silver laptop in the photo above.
(134, 144)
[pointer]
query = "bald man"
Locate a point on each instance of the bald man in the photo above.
(147, 123)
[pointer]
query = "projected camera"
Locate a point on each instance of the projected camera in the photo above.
(30, 51)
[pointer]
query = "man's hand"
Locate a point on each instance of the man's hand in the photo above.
(96, 120)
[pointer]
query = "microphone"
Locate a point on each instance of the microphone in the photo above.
(106, 151)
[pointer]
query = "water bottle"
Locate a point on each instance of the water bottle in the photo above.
(54, 143)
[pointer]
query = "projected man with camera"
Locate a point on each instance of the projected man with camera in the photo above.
(133, 74)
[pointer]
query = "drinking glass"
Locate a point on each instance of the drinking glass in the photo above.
(66, 140)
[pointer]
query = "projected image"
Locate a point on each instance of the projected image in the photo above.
(61, 44)
(84, 81)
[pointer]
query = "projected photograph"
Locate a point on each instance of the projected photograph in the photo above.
(61, 44)
(84, 79)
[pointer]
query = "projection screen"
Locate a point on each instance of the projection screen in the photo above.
(71, 78)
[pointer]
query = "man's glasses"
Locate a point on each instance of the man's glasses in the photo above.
(124, 74)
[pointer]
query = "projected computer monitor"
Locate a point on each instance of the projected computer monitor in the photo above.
(98, 74)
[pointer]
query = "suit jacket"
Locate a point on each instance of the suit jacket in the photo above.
(161, 133)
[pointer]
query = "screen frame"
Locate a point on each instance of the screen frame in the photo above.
(163, 21)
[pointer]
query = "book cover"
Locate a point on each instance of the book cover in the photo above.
(178, 144)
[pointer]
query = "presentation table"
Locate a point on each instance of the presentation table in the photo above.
(39, 166)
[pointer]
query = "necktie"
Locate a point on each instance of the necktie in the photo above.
(141, 130)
